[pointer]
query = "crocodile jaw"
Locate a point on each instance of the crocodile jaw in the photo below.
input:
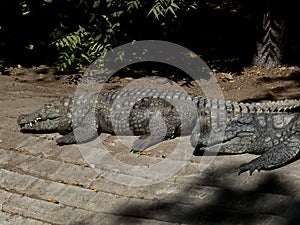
(45, 119)
(28, 123)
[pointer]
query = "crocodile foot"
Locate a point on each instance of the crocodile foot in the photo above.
(251, 167)
(144, 142)
(276, 157)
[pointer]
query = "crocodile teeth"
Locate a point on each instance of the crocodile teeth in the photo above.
(38, 120)
(30, 124)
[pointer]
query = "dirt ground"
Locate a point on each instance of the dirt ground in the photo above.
(252, 84)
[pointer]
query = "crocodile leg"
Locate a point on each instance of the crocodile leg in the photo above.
(144, 142)
(160, 129)
(85, 130)
(83, 134)
(160, 120)
(276, 157)
(278, 142)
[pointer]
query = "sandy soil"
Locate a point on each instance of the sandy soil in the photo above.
(252, 84)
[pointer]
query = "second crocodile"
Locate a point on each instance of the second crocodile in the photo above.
(274, 136)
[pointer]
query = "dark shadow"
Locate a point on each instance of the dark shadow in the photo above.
(229, 206)
(156, 70)
(263, 97)
(146, 69)
(293, 76)
(285, 90)
(274, 95)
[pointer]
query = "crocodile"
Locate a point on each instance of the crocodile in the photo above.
(274, 136)
(154, 115)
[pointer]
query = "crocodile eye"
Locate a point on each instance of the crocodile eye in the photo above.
(48, 105)
(245, 120)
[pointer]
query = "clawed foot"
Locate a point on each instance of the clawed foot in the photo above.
(145, 142)
(60, 141)
(135, 150)
(249, 166)
(138, 146)
(66, 139)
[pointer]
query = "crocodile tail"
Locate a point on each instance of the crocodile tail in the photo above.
(277, 106)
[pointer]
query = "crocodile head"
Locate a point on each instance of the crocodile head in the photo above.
(236, 137)
(54, 116)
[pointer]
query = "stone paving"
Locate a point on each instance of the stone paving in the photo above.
(42, 183)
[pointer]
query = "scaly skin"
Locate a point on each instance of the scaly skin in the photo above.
(157, 115)
(275, 136)
(125, 112)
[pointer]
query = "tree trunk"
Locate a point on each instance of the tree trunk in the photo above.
(270, 45)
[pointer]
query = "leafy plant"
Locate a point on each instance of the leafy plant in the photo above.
(80, 48)
(80, 31)
(165, 8)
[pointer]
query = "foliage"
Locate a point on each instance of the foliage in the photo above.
(166, 8)
(103, 28)
(93, 37)
(82, 30)
(79, 48)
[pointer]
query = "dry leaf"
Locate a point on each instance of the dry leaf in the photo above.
(53, 201)
(63, 181)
